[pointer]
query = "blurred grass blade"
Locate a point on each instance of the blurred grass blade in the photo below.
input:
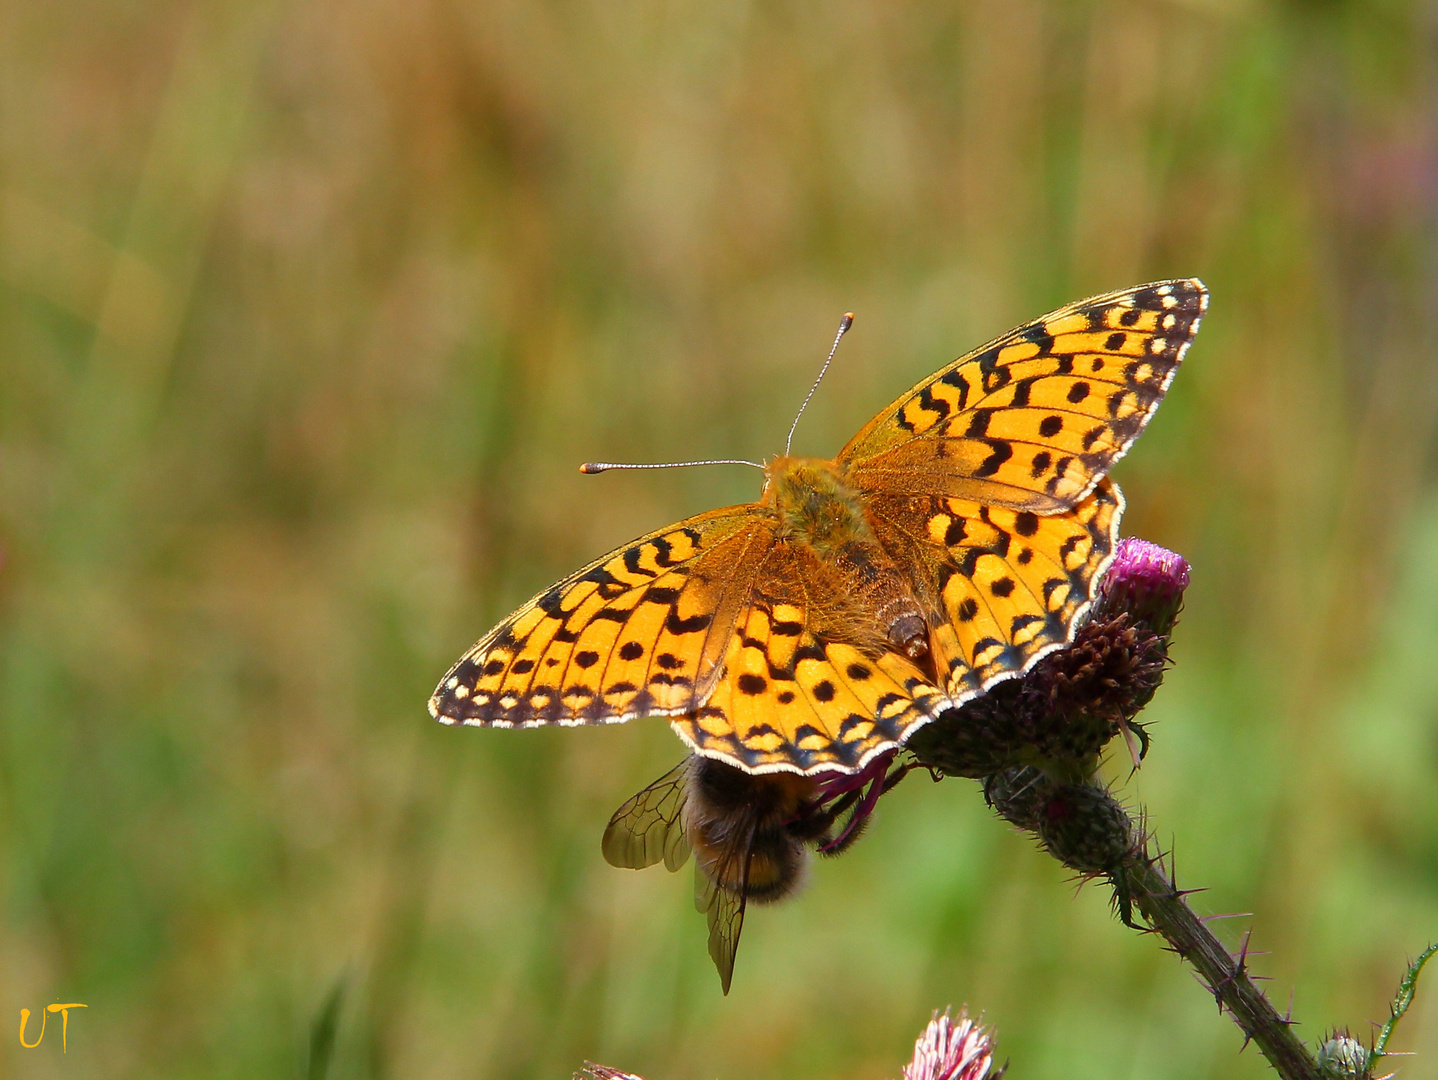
(324, 1029)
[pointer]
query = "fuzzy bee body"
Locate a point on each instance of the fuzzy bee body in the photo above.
(750, 835)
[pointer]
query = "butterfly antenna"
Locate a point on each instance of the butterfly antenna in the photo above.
(592, 467)
(844, 324)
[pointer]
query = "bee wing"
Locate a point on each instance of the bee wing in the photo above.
(650, 826)
(724, 910)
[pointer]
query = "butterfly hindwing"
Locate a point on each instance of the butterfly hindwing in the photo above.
(1010, 586)
(639, 632)
(806, 693)
(1034, 419)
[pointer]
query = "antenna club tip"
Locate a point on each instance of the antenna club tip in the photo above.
(848, 319)
(589, 468)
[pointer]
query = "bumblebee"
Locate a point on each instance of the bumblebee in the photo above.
(750, 834)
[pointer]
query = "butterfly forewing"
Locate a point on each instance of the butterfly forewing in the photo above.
(650, 825)
(1034, 419)
(641, 631)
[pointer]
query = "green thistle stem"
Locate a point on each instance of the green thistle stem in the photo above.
(1143, 881)
(1401, 1001)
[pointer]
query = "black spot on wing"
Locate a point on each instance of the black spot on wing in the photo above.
(609, 585)
(959, 383)
(979, 423)
(1020, 623)
(1040, 336)
(938, 406)
(632, 556)
(808, 731)
(999, 452)
(692, 625)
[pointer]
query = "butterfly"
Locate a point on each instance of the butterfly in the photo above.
(796, 642)
(956, 540)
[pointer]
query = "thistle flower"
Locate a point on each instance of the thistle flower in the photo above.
(1147, 582)
(947, 1050)
(591, 1071)
(1062, 714)
(952, 1050)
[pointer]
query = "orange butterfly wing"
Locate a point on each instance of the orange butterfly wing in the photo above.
(642, 631)
(1035, 418)
(804, 689)
(986, 481)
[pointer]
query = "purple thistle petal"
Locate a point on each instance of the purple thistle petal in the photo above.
(593, 1071)
(951, 1050)
(1147, 581)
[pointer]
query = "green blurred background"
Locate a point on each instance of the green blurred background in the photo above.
(308, 312)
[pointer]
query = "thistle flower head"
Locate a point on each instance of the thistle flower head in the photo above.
(1062, 713)
(592, 1071)
(1147, 582)
(952, 1050)
(1342, 1057)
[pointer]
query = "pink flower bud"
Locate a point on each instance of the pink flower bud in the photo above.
(1147, 582)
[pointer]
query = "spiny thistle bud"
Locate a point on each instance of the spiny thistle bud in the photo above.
(1018, 795)
(1081, 825)
(982, 737)
(952, 1050)
(1085, 828)
(1147, 582)
(1342, 1057)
